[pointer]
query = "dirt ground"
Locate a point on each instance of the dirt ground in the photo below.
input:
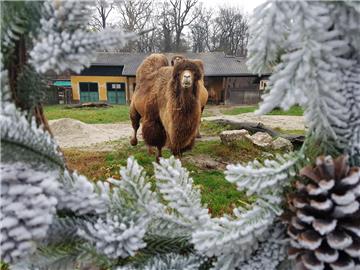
(71, 133)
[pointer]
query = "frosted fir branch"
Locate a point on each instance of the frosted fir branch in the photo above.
(313, 58)
(169, 261)
(63, 42)
(27, 209)
(257, 178)
(135, 188)
(351, 135)
(138, 189)
(176, 186)
(118, 235)
(237, 236)
(268, 28)
(17, 131)
(270, 253)
(80, 196)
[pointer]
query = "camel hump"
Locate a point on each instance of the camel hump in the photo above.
(150, 66)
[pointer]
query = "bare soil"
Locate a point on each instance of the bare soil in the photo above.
(71, 133)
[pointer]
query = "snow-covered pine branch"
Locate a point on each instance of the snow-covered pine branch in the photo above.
(176, 186)
(227, 237)
(169, 261)
(18, 133)
(257, 178)
(27, 208)
(136, 186)
(319, 44)
(268, 18)
(233, 239)
(63, 42)
(118, 235)
(78, 195)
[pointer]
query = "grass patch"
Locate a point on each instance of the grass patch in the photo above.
(239, 110)
(218, 194)
(291, 131)
(211, 128)
(293, 111)
(114, 114)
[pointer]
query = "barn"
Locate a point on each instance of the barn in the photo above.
(111, 78)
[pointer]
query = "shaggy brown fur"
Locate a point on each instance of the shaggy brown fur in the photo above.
(167, 109)
(179, 107)
(145, 78)
(203, 93)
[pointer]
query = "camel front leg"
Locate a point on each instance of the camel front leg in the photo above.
(159, 154)
(135, 122)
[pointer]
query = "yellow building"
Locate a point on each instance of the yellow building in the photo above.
(100, 84)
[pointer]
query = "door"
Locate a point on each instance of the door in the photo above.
(116, 93)
(89, 92)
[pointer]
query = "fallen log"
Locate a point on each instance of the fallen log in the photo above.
(253, 127)
(89, 105)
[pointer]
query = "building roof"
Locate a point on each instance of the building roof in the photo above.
(215, 63)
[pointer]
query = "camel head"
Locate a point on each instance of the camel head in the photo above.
(186, 74)
(177, 59)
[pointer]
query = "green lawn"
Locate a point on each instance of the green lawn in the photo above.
(295, 111)
(114, 114)
(218, 194)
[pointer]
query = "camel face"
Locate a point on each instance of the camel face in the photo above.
(187, 79)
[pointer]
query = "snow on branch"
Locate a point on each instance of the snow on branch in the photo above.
(137, 188)
(80, 196)
(176, 186)
(256, 177)
(17, 131)
(169, 261)
(118, 235)
(64, 42)
(27, 208)
(314, 45)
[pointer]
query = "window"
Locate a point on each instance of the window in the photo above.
(263, 84)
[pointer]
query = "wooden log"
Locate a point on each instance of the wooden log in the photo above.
(253, 127)
(89, 105)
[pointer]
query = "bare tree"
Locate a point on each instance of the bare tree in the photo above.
(181, 17)
(135, 16)
(99, 20)
(232, 31)
(201, 29)
(167, 27)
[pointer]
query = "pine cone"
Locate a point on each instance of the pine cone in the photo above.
(324, 217)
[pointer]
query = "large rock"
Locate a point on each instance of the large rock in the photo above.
(229, 136)
(261, 139)
(282, 144)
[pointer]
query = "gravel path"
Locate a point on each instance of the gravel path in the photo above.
(73, 133)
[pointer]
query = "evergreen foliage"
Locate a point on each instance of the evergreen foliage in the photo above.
(54, 219)
(313, 47)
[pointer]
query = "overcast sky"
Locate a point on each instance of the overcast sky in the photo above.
(246, 5)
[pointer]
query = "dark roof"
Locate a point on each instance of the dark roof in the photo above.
(216, 63)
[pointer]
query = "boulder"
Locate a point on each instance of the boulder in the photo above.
(281, 144)
(261, 139)
(229, 136)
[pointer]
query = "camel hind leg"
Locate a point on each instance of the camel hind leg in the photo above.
(135, 122)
